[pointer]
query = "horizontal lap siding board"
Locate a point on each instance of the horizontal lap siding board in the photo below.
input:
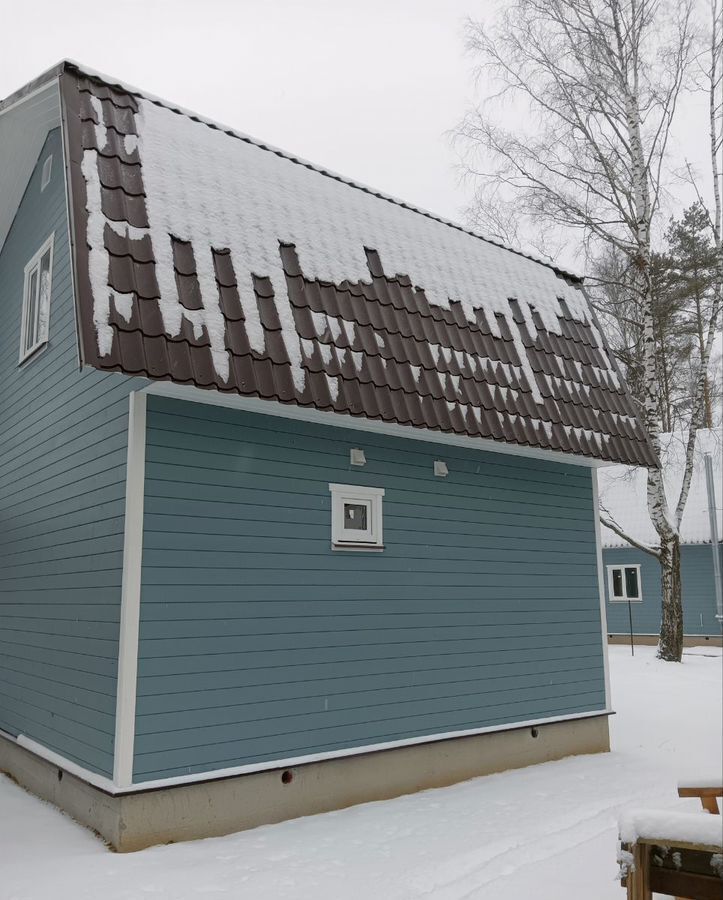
(62, 490)
(698, 590)
(258, 642)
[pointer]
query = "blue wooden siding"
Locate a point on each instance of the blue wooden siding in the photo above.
(259, 642)
(62, 489)
(696, 572)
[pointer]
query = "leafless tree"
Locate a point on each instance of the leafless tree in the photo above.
(593, 87)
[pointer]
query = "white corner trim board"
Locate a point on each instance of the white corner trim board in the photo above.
(601, 586)
(131, 593)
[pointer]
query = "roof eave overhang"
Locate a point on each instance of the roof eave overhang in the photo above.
(263, 406)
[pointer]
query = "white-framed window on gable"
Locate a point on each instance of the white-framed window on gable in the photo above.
(36, 301)
(356, 517)
(624, 584)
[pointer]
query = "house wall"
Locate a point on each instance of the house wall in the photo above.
(699, 607)
(62, 488)
(258, 642)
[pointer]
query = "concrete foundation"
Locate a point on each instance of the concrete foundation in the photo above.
(651, 640)
(133, 821)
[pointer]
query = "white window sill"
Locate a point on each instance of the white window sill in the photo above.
(368, 548)
(33, 352)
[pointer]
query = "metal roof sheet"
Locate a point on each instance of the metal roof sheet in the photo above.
(204, 258)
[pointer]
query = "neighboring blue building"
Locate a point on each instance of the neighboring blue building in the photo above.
(297, 494)
(631, 573)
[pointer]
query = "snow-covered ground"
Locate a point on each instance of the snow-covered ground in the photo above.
(543, 833)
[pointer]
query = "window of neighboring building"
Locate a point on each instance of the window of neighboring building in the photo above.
(47, 172)
(624, 583)
(356, 517)
(36, 301)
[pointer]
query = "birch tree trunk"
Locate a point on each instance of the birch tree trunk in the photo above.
(670, 646)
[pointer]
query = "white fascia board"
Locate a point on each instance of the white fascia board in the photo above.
(215, 774)
(360, 423)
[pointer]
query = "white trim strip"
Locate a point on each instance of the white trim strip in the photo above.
(99, 781)
(350, 751)
(215, 774)
(358, 423)
(130, 593)
(601, 585)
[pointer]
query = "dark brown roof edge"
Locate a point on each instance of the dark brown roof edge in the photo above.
(78, 69)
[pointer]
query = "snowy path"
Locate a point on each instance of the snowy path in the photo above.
(543, 833)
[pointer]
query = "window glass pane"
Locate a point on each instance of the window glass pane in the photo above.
(617, 583)
(356, 517)
(631, 583)
(31, 311)
(44, 298)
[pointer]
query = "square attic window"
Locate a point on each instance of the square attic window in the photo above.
(356, 517)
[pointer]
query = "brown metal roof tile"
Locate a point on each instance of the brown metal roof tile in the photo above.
(204, 373)
(223, 267)
(151, 320)
(230, 304)
(106, 92)
(122, 207)
(189, 291)
(141, 249)
(127, 276)
(374, 347)
(132, 353)
(237, 341)
(115, 174)
(184, 260)
(155, 351)
(289, 260)
(179, 361)
(115, 145)
(268, 314)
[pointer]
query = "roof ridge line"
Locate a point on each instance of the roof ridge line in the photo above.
(76, 67)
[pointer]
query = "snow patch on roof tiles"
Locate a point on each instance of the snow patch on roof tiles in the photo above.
(221, 193)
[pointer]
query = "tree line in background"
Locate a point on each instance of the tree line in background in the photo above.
(592, 89)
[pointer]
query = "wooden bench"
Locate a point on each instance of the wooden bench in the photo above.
(707, 794)
(676, 854)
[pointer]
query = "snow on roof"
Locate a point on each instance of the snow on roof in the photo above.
(217, 261)
(623, 492)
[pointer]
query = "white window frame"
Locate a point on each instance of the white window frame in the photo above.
(47, 173)
(347, 539)
(625, 599)
(42, 334)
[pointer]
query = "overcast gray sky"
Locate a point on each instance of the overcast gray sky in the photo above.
(369, 89)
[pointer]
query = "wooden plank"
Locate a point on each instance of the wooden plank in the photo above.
(707, 796)
(638, 879)
(689, 885)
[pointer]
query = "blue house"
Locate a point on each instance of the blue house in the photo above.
(632, 576)
(297, 497)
